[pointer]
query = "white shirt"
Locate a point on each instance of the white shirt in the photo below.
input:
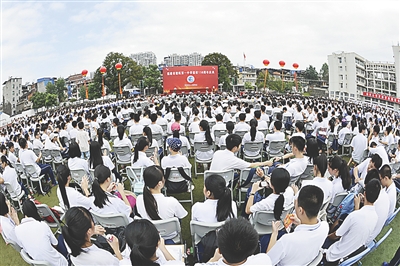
(382, 205)
(94, 256)
(77, 164)
(10, 176)
(359, 144)
(354, 232)
(75, 198)
(136, 129)
(142, 161)
(200, 137)
(8, 228)
(176, 160)
(241, 126)
(168, 207)
(363, 168)
(337, 187)
(114, 205)
(277, 135)
(268, 203)
(73, 132)
(206, 211)
(29, 157)
(323, 183)
(124, 142)
(12, 158)
(247, 138)
(37, 239)
(82, 138)
(296, 166)
(301, 246)
(259, 259)
(380, 150)
(37, 144)
(226, 160)
(107, 162)
(391, 191)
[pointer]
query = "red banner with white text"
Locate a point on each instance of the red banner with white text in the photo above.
(381, 97)
(190, 79)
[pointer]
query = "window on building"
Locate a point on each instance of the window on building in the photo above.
(340, 68)
(340, 60)
(341, 85)
(341, 77)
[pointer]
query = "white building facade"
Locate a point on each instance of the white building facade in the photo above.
(12, 90)
(352, 77)
(145, 59)
(193, 59)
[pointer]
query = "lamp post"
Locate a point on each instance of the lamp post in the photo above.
(118, 66)
(84, 73)
(282, 64)
(266, 63)
(295, 66)
(103, 70)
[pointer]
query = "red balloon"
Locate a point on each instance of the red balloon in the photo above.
(118, 66)
(84, 72)
(295, 66)
(103, 69)
(266, 62)
(282, 63)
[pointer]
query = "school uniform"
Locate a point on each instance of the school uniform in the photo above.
(8, 228)
(247, 139)
(142, 161)
(354, 232)
(241, 126)
(75, 199)
(268, 203)
(296, 166)
(114, 205)
(226, 160)
(37, 239)
(124, 142)
(391, 191)
(94, 256)
(206, 211)
(359, 144)
(337, 187)
(78, 163)
(135, 129)
(200, 137)
(381, 205)
(10, 176)
(322, 183)
(176, 160)
(301, 246)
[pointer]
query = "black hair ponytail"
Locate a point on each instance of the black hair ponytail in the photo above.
(253, 129)
(62, 177)
(217, 186)
(151, 176)
(280, 179)
(141, 143)
(29, 209)
(205, 126)
(101, 173)
(149, 134)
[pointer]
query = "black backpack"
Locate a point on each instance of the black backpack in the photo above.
(206, 247)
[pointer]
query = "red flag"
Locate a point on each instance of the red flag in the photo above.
(244, 55)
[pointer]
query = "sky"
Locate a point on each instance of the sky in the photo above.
(60, 38)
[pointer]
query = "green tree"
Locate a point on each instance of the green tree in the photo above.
(248, 85)
(324, 72)
(38, 100)
(130, 73)
(222, 61)
(260, 80)
(51, 88)
(60, 89)
(152, 77)
(93, 92)
(82, 93)
(311, 74)
(51, 100)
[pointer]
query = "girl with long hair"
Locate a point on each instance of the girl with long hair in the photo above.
(122, 140)
(104, 144)
(78, 230)
(75, 162)
(149, 135)
(105, 202)
(218, 205)
(36, 238)
(339, 170)
(252, 136)
(153, 205)
(204, 136)
(8, 219)
(68, 196)
(281, 197)
(230, 126)
(140, 158)
(10, 176)
(96, 158)
(146, 245)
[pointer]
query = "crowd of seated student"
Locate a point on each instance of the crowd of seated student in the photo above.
(111, 198)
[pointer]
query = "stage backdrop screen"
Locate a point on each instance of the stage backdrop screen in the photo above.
(187, 79)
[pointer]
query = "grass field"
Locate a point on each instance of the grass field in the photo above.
(8, 256)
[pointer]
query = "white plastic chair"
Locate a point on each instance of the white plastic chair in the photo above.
(135, 177)
(31, 261)
(200, 229)
(242, 178)
(110, 220)
(13, 244)
(44, 211)
(262, 220)
(275, 148)
(120, 153)
(169, 227)
(317, 259)
(15, 198)
(175, 176)
(30, 171)
(253, 147)
(202, 147)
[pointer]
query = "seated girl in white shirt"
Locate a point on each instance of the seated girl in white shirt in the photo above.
(149, 135)
(146, 245)
(75, 162)
(253, 136)
(204, 136)
(69, 196)
(78, 230)
(104, 201)
(140, 158)
(218, 206)
(8, 219)
(96, 158)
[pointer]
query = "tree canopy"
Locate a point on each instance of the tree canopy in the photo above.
(311, 74)
(152, 77)
(324, 72)
(225, 68)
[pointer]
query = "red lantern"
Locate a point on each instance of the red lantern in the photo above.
(103, 69)
(295, 66)
(282, 63)
(84, 72)
(266, 62)
(118, 66)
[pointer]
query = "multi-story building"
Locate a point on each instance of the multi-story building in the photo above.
(193, 59)
(145, 59)
(352, 77)
(42, 83)
(12, 90)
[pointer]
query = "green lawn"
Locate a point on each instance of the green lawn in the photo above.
(8, 256)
